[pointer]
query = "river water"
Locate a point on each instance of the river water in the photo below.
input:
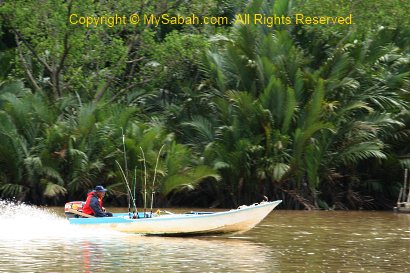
(41, 240)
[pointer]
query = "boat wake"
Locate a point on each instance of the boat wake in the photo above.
(21, 222)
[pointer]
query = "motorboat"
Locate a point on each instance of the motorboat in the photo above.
(236, 220)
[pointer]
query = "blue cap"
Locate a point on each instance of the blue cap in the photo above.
(100, 188)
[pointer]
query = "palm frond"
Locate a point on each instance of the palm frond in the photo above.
(52, 190)
(361, 151)
(188, 180)
(12, 190)
(279, 170)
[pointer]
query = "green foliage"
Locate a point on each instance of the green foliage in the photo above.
(302, 113)
(296, 117)
(49, 151)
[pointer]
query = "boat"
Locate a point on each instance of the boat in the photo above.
(403, 207)
(403, 202)
(237, 220)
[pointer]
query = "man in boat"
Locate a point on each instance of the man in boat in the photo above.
(93, 204)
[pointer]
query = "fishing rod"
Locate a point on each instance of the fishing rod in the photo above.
(128, 188)
(153, 181)
(135, 187)
(145, 182)
(126, 171)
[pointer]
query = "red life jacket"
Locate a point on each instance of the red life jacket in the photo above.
(86, 208)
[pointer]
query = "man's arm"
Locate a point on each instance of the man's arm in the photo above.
(95, 206)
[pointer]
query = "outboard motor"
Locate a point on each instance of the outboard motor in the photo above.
(74, 205)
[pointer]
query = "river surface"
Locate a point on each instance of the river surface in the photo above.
(41, 240)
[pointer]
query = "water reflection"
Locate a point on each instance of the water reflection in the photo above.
(136, 254)
(329, 241)
(158, 254)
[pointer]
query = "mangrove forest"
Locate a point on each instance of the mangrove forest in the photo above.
(214, 103)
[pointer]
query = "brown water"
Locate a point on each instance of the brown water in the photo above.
(37, 240)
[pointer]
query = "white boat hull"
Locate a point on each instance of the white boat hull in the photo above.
(233, 221)
(403, 207)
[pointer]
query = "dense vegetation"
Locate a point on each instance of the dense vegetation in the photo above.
(315, 115)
